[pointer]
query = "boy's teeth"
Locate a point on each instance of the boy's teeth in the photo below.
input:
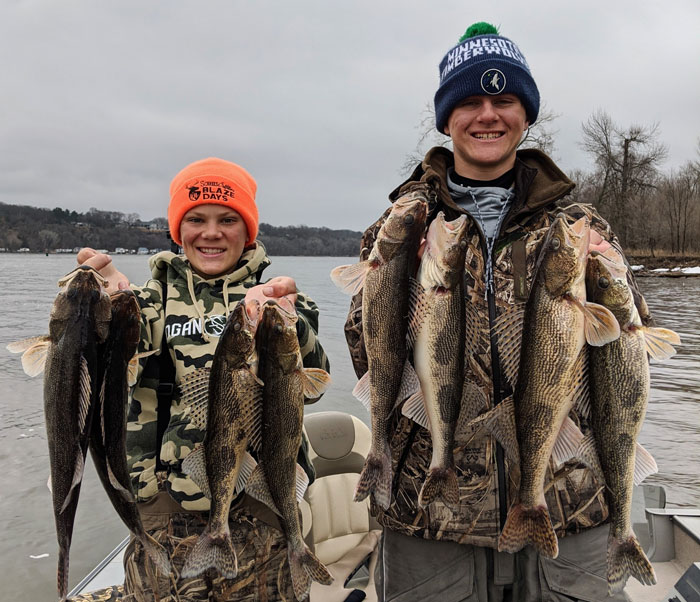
(488, 136)
(210, 251)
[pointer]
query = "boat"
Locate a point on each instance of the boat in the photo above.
(344, 535)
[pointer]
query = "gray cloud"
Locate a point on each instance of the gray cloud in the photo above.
(105, 102)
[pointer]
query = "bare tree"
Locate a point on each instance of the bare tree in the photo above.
(680, 196)
(48, 239)
(540, 135)
(627, 163)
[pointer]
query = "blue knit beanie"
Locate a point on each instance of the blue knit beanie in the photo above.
(481, 63)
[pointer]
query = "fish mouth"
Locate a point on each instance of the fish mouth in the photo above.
(285, 308)
(82, 269)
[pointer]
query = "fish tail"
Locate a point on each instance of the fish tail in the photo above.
(212, 550)
(627, 559)
(305, 567)
(375, 478)
(157, 553)
(441, 483)
(529, 526)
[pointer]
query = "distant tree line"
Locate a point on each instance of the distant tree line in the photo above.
(43, 230)
(653, 211)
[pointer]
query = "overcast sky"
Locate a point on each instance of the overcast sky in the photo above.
(103, 102)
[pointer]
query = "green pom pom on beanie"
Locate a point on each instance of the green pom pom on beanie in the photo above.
(479, 29)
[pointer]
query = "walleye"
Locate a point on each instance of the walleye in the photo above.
(234, 413)
(79, 323)
(385, 283)
(119, 364)
(437, 328)
(276, 479)
(619, 381)
(558, 322)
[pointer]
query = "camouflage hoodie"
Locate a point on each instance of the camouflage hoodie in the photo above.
(487, 487)
(195, 314)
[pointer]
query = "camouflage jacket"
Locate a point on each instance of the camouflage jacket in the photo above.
(194, 317)
(486, 479)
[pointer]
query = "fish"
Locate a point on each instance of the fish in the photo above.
(384, 279)
(118, 359)
(437, 332)
(78, 325)
(619, 383)
(558, 321)
(233, 423)
(278, 480)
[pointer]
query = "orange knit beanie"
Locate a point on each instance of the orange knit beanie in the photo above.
(216, 182)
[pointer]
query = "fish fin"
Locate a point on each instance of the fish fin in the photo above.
(600, 325)
(194, 466)
(157, 553)
(24, 344)
(659, 342)
(644, 464)
(499, 422)
(194, 392)
(529, 526)
(133, 369)
(315, 382)
(350, 278)
(212, 550)
(509, 329)
(305, 567)
(375, 478)
(440, 484)
(473, 403)
(84, 394)
(418, 310)
(410, 383)
(414, 408)
(582, 390)
(626, 559)
(114, 482)
(257, 488)
(302, 483)
(34, 357)
(251, 407)
(362, 393)
(567, 443)
(248, 465)
(587, 453)
(77, 479)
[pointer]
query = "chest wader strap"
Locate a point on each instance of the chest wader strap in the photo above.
(166, 388)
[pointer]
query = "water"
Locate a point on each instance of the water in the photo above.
(27, 288)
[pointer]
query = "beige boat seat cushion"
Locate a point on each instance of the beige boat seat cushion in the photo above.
(340, 531)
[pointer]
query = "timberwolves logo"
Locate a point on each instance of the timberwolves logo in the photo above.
(195, 193)
(493, 81)
(214, 325)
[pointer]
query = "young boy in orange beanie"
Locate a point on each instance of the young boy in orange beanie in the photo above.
(213, 216)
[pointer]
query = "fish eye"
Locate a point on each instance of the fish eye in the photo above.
(554, 244)
(237, 327)
(278, 328)
(603, 282)
(462, 244)
(409, 219)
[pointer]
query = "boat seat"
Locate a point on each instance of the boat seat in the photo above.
(341, 532)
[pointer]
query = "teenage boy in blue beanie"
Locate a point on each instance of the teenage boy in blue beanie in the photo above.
(486, 100)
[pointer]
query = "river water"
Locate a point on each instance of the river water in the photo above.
(28, 550)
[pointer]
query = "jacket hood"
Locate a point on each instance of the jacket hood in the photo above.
(252, 262)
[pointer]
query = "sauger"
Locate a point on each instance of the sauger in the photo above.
(384, 280)
(118, 366)
(558, 322)
(619, 380)
(437, 328)
(79, 323)
(233, 416)
(276, 479)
